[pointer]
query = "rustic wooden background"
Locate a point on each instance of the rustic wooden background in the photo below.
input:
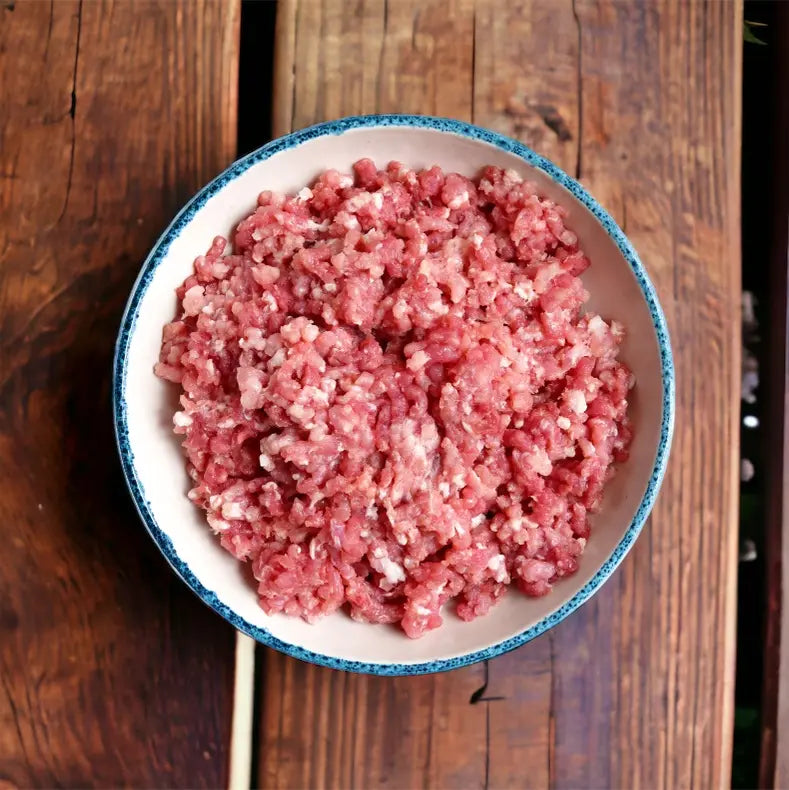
(112, 114)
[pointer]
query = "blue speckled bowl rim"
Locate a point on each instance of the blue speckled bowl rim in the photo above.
(339, 127)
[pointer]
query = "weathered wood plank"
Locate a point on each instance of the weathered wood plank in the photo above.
(113, 114)
(641, 102)
(321, 728)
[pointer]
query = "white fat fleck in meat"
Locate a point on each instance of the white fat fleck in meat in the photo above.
(563, 422)
(575, 352)
(394, 573)
(515, 524)
(194, 299)
(217, 524)
(422, 611)
(575, 401)
(304, 194)
(181, 420)
(512, 178)
(330, 288)
(461, 199)
(477, 520)
(496, 564)
(540, 462)
(232, 510)
(265, 275)
(266, 462)
(278, 358)
(269, 301)
(302, 414)
(253, 339)
(400, 309)
(587, 448)
(417, 361)
(310, 332)
(362, 199)
(525, 290)
(316, 395)
(597, 326)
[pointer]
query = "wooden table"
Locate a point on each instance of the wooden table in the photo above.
(112, 115)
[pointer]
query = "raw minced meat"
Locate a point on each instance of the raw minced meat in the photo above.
(391, 398)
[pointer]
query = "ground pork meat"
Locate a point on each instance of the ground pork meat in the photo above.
(391, 398)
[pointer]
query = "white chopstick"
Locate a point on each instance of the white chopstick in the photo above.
(240, 771)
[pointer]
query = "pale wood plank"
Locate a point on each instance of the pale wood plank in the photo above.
(641, 101)
(321, 728)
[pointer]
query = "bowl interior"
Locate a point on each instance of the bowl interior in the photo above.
(159, 465)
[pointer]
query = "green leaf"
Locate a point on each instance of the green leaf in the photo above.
(748, 34)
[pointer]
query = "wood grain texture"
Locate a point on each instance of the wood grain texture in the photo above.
(113, 114)
(641, 101)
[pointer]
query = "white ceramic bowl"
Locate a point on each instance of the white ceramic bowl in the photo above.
(154, 465)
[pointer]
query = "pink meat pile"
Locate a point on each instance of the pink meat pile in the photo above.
(391, 399)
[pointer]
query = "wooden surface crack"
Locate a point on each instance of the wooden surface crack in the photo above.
(72, 113)
(16, 718)
(580, 89)
(473, 62)
(49, 26)
(381, 55)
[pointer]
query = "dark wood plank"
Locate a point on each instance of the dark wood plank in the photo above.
(642, 102)
(774, 764)
(113, 114)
